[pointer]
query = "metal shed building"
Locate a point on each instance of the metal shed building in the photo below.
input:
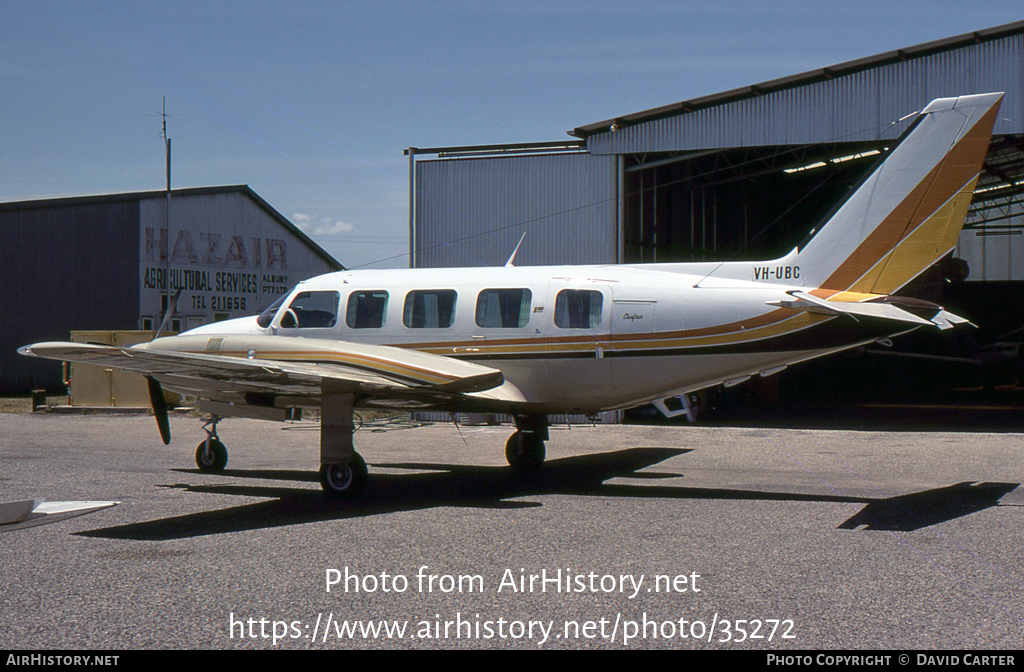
(103, 263)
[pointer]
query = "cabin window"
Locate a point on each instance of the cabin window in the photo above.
(429, 309)
(311, 310)
(503, 308)
(578, 309)
(366, 310)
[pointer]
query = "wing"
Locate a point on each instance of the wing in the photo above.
(229, 367)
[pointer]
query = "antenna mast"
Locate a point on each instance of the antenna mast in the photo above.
(167, 218)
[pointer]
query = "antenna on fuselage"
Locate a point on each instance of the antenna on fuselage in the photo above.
(508, 264)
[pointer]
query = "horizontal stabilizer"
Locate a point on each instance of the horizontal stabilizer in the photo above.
(947, 320)
(32, 512)
(866, 310)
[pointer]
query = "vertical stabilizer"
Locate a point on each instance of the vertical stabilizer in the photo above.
(908, 213)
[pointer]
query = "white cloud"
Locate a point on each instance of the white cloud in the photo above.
(322, 226)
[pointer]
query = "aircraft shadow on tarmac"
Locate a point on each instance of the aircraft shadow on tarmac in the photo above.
(930, 507)
(433, 485)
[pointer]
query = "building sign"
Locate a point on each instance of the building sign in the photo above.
(229, 257)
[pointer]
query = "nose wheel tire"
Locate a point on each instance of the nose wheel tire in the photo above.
(344, 480)
(213, 457)
(525, 451)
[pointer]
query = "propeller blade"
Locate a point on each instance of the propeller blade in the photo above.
(156, 398)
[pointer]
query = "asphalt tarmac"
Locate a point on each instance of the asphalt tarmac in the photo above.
(631, 537)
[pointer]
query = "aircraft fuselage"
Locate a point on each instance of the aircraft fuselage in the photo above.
(568, 339)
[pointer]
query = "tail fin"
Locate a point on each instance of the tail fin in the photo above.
(908, 213)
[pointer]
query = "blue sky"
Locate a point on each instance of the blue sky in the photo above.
(312, 103)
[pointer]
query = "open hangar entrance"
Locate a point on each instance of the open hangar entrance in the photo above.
(744, 203)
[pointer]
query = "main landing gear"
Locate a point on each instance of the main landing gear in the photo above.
(524, 450)
(344, 480)
(342, 469)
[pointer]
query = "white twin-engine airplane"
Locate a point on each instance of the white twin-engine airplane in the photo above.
(533, 341)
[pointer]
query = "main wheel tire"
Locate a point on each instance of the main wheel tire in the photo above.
(214, 459)
(524, 452)
(344, 480)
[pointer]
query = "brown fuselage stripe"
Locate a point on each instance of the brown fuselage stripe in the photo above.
(527, 348)
(767, 319)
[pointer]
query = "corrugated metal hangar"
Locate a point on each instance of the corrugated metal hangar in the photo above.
(102, 263)
(743, 174)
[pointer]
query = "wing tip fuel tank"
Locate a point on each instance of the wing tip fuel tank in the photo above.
(19, 514)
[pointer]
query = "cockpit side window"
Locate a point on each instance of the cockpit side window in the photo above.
(578, 309)
(310, 310)
(267, 316)
(429, 309)
(366, 310)
(503, 308)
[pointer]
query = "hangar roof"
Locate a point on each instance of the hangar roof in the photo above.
(70, 201)
(807, 78)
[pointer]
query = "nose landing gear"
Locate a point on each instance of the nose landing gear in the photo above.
(211, 455)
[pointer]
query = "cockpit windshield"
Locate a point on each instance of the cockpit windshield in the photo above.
(267, 316)
(311, 310)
